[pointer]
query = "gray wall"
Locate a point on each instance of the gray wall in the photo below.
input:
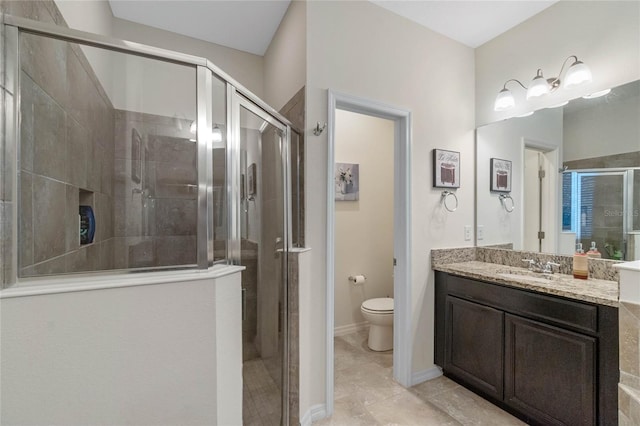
(155, 215)
(66, 159)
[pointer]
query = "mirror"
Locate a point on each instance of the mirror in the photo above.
(574, 176)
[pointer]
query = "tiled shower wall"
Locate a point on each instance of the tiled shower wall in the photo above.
(66, 159)
(76, 149)
(629, 387)
(155, 192)
(67, 133)
(294, 111)
(43, 11)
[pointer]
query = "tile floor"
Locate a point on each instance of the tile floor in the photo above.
(261, 395)
(366, 394)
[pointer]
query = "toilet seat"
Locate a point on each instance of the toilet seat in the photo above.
(381, 305)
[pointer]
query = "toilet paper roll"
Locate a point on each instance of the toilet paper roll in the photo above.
(357, 279)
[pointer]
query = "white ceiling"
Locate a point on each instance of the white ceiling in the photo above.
(470, 22)
(249, 25)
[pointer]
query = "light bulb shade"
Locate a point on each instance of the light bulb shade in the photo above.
(539, 86)
(504, 100)
(577, 73)
(216, 135)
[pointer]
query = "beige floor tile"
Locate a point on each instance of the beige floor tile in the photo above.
(348, 411)
(366, 394)
(358, 342)
(430, 388)
(470, 409)
(407, 409)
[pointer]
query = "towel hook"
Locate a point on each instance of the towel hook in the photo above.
(318, 130)
(443, 199)
(503, 200)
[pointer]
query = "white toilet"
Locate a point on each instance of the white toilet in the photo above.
(379, 313)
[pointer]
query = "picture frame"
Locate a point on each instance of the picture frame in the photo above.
(252, 180)
(500, 174)
(136, 156)
(446, 169)
(347, 181)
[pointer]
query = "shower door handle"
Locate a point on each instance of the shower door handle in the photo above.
(278, 246)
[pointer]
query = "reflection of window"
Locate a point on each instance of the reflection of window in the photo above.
(567, 179)
(570, 198)
(586, 188)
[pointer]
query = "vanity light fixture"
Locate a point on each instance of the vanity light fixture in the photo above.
(192, 130)
(539, 86)
(216, 134)
(577, 73)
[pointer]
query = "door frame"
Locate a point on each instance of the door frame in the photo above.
(402, 335)
(552, 215)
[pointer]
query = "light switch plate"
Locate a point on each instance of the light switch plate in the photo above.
(467, 232)
(480, 232)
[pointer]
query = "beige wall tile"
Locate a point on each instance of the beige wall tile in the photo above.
(25, 220)
(629, 342)
(72, 219)
(49, 206)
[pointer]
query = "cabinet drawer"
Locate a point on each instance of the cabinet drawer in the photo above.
(551, 309)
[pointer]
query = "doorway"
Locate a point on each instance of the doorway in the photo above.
(363, 215)
(263, 250)
(402, 338)
(540, 198)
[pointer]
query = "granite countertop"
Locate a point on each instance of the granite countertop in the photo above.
(601, 292)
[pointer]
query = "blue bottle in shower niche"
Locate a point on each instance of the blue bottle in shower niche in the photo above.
(87, 225)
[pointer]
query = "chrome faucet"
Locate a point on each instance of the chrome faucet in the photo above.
(539, 267)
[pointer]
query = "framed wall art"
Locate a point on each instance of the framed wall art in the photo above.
(500, 175)
(347, 182)
(136, 156)
(446, 169)
(252, 183)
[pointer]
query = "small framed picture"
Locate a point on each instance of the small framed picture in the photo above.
(446, 169)
(500, 175)
(251, 180)
(347, 182)
(136, 157)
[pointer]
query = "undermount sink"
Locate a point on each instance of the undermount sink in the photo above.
(540, 279)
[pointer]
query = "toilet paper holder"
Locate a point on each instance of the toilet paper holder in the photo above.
(357, 279)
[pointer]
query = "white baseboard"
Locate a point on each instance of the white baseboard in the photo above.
(350, 328)
(314, 413)
(424, 375)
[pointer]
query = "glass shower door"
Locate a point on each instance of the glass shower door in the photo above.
(263, 250)
(602, 213)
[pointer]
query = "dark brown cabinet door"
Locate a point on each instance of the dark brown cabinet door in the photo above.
(473, 345)
(549, 373)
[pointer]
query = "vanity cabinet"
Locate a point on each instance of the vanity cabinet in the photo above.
(474, 344)
(547, 359)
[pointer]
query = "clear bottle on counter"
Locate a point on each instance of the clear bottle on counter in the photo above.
(593, 251)
(580, 263)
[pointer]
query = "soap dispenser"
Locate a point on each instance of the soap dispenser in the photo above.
(593, 251)
(580, 263)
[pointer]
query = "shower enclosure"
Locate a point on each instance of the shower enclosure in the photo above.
(602, 206)
(123, 158)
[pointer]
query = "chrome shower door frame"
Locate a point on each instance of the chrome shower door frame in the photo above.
(205, 70)
(237, 100)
